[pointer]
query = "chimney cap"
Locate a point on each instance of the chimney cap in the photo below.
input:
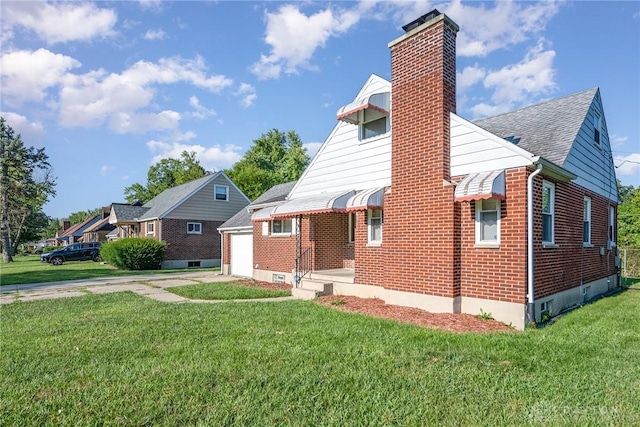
(421, 20)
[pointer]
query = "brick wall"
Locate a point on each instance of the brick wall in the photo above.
(276, 253)
(370, 259)
(183, 246)
(420, 216)
(497, 273)
(331, 240)
(563, 267)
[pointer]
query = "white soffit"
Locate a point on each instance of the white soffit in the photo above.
(316, 204)
(483, 185)
(366, 199)
(379, 102)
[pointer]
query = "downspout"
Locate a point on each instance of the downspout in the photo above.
(531, 309)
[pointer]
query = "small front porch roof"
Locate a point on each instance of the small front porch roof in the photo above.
(482, 185)
(316, 204)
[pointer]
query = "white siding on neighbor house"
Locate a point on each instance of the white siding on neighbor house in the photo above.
(592, 162)
(344, 162)
(475, 150)
(202, 205)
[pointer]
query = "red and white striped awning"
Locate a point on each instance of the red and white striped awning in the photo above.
(379, 102)
(483, 185)
(366, 199)
(318, 203)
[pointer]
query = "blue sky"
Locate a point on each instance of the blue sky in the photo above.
(109, 88)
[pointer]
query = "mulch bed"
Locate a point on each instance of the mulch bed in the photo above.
(377, 308)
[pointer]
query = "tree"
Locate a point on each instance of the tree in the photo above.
(629, 216)
(275, 158)
(78, 217)
(165, 174)
(26, 182)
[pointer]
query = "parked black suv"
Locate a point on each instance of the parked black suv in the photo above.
(74, 252)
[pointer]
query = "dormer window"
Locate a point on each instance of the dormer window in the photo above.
(596, 128)
(370, 113)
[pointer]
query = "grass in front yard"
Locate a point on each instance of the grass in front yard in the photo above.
(225, 291)
(122, 359)
(29, 269)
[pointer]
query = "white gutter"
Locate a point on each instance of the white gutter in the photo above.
(531, 318)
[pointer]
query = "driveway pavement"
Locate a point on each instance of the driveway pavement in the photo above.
(150, 286)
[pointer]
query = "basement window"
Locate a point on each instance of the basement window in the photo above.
(192, 264)
(277, 278)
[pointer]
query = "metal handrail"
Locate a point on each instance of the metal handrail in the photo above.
(303, 265)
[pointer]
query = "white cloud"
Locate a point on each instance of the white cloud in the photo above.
(201, 112)
(59, 22)
(26, 75)
(627, 165)
(519, 84)
(248, 94)
(30, 132)
(154, 35)
(211, 158)
(105, 169)
(294, 37)
(618, 140)
(312, 148)
(469, 77)
(91, 99)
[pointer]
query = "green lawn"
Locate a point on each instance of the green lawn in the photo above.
(225, 291)
(121, 359)
(29, 269)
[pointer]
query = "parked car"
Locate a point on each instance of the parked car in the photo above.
(74, 252)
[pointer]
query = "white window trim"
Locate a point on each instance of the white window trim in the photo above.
(551, 186)
(371, 242)
(612, 228)
(351, 233)
(487, 243)
(151, 232)
(215, 192)
(586, 213)
(285, 233)
(199, 224)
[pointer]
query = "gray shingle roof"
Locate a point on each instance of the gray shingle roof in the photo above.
(547, 129)
(159, 205)
(128, 212)
(240, 219)
(277, 193)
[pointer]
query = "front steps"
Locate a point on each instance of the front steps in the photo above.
(319, 283)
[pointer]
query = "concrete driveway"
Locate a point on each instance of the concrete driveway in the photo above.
(149, 285)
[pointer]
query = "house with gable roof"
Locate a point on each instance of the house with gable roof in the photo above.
(186, 217)
(406, 201)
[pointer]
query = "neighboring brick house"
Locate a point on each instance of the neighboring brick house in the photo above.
(406, 201)
(186, 217)
(98, 231)
(73, 233)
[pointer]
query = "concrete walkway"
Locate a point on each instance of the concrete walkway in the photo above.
(150, 286)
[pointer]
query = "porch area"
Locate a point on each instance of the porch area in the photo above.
(321, 282)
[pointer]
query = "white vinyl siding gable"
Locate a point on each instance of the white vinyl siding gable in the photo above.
(368, 162)
(203, 206)
(592, 161)
(473, 150)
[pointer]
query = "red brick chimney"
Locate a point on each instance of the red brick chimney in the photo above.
(66, 224)
(419, 214)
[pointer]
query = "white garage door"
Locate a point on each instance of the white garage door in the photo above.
(242, 254)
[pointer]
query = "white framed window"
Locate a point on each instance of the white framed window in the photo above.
(221, 193)
(612, 226)
(281, 226)
(548, 211)
(194, 228)
(488, 221)
(586, 221)
(374, 229)
(352, 227)
(150, 228)
(372, 124)
(597, 123)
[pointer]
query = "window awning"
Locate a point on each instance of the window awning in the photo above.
(379, 102)
(483, 185)
(319, 203)
(366, 199)
(262, 214)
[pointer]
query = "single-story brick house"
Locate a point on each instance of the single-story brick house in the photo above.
(187, 217)
(406, 201)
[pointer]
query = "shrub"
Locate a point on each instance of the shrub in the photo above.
(134, 253)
